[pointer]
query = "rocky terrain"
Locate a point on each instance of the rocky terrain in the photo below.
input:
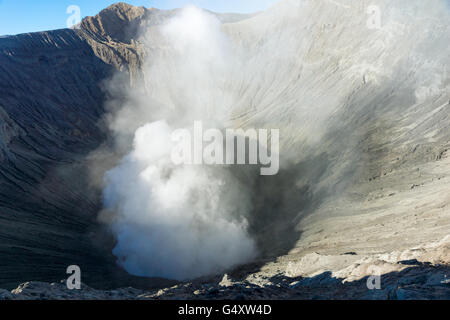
(368, 197)
(413, 280)
(51, 107)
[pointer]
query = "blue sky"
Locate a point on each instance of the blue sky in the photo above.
(19, 16)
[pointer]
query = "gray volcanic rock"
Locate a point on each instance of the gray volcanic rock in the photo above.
(51, 104)
(419, 282)
(52, 101)
(370, 195)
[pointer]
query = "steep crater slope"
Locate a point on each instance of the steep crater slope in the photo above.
(366, 112)
(366, 189)
(51, 107)
(363, 116)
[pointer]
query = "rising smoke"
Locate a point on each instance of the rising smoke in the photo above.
(180, 221)
(310, 68)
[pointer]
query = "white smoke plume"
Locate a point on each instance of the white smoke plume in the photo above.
(172, 221)
(316, 69)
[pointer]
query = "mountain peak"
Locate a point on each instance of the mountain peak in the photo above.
(119, 22)
(124, 11)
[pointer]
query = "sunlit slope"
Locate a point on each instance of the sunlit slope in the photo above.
(363, 111)
(364, 115)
